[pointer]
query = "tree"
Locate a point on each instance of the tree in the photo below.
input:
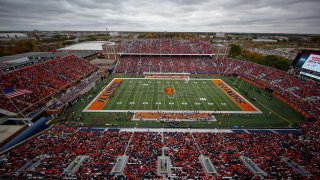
(276, 62)
(235, 50)
(315, 39)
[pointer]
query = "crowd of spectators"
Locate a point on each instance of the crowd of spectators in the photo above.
(143, 152)
(184, 155)
(63, 143)
(265, 150)
(74, 92)
(42, 80)
(165, 46)
(295, 89)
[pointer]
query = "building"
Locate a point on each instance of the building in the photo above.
(265, 40)
(88, 46)
(13, 36)
(111, 51)
(221, 51)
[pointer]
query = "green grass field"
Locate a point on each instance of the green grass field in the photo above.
(282, 116)
(148, 94)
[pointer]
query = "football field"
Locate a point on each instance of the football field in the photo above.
(153, 95)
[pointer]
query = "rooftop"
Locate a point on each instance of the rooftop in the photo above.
(88, 46)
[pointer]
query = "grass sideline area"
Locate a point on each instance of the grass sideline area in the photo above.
(275, 113)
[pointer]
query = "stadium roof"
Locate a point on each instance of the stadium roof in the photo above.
(18, 56)
(8, 61)
(85, 46)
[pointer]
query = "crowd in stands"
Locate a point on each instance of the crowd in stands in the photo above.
(184, 115)
(293, 88)
(63, 143)
(42, 80)
(184, 155)
(143, 152)
(165, 46)
(74, 92)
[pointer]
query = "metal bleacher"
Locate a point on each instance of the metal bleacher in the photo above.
(207, 165)
(75, 164)
(299, 169)
(32, 164)
(254, 168)
(164, 166)
(119, 166)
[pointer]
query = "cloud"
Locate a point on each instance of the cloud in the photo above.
(286, 16)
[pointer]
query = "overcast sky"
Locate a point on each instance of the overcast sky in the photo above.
(286, 16)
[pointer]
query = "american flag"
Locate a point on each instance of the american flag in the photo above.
(10, 92)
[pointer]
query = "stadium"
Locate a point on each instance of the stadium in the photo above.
(168, 109)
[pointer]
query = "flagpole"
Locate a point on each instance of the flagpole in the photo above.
(13, 104)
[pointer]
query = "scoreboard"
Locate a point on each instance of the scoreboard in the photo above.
(310, 61)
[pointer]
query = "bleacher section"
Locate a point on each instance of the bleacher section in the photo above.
(65, 151)
(43, 80)
(165, 46)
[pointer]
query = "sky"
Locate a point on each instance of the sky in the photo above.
(262, 16)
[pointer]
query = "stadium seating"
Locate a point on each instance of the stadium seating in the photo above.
(74, 91)
(165, 46)
(42, 80)
(63, 143)
(143, 153)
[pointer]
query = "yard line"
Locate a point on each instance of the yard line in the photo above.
(166, 96)
(146, 96)
(195, 88)
(218, 95)
(232, 104)
(119, 91)
(140, 84)
(177, 89)
(114, 98)
(175, 96)
(153, 92)
(190, 102)
(134, 94)
(207, 95)
(211, 90)
(157, 93)
(162, 82)
(129, 95)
